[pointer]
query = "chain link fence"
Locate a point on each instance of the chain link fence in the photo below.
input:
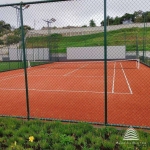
(76, 61)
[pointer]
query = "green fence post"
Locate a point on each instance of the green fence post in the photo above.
(137, 48)
(144, 40)
(125, 39)
(24, 60)
(9, 67)
(105, 60)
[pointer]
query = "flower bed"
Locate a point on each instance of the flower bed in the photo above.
(18, 134)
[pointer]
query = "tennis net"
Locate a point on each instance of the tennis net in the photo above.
(111, 64)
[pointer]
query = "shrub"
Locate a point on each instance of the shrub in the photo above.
(1, 42)
(65, 140)
(108, 145)
(16, 134)
(56, 35)
(12, 39)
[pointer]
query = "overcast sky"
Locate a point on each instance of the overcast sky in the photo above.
(73, 13)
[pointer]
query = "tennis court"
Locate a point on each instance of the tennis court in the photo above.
(74, 91)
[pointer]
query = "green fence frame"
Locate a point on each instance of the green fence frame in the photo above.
(105, 59)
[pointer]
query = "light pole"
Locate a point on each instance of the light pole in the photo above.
(49, 22)
(18, 10)
(18, 13)
(35, 21)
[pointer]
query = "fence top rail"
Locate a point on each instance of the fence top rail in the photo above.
(35, 2)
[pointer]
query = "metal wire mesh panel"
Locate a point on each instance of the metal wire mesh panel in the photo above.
(63, 93)
(12, 97)
(128, 100)
(76, 61)
(72, 93)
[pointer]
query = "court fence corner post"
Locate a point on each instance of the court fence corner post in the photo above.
(24, 61)
(105, 63)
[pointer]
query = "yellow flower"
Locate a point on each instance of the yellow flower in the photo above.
(15, 143)
(31, 138)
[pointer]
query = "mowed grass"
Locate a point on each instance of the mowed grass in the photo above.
(4, 66)
(132, 38)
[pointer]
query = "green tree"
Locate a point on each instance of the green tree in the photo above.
(17, 31)
(4, 26)
(26, 27)
(12, 39)
(1, 42)
(146, 16)
(92, 23)
(7, 27)
(108, 20)
(116, 20)
(138, 16)
(127, 16)
(102, 23)
(84, 26)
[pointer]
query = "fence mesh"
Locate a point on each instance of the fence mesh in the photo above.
(56, 64)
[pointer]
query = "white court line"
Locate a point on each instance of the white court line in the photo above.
(29, 74)
(122, 93)
(40, 90)
(11, 75)
(66, 76)
(80, 62)
(113, 85)
(7, 77)
(65, 91)
(126, 79)
(75, 70)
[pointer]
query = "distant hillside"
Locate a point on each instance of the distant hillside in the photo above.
(133, 38)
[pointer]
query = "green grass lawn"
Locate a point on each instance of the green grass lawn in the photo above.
(5, 66)
(20, 134)
(131, 37)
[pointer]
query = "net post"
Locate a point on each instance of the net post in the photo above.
(138, 64)
(29, 65)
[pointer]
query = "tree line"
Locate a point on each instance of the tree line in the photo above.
(136, 17)
(13, 35)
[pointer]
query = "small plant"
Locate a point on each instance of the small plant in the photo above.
(69, 147)
(65, 140)
(82, 142)
(57, 146)
(108, 145)
(96, 142)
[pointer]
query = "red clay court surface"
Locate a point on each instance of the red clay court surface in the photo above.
(77, 94)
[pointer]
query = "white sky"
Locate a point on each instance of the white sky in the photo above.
(14, 1)
(73, 13)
